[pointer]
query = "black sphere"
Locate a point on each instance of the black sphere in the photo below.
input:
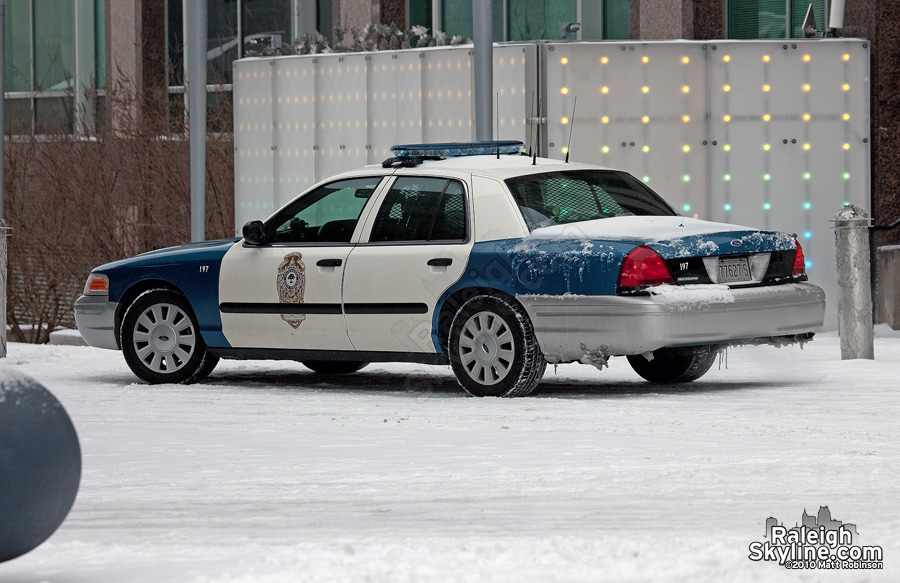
(40, 464)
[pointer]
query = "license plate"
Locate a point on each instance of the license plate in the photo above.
(734, 270)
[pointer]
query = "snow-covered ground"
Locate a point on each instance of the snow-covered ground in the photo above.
(269, 473)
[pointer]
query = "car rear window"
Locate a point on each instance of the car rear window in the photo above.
(556, 198)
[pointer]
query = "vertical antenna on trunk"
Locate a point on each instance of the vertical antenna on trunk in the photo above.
(571, 127)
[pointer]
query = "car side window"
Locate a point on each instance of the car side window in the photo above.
(326, 215)
(422, 209)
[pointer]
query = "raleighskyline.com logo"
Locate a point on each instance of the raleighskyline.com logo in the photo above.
(818, 542)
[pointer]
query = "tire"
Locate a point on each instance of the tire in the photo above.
(161, 342)
(674, 365)
(334, 366)
(493, 350)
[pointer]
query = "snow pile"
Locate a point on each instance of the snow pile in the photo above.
(692, 295)
(635, 227)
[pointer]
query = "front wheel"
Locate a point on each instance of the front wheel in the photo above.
(493, 350)
(161, 342)
(674, 365)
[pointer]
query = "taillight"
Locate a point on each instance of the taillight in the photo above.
(97, 285)
(799, 268)
(643, 267)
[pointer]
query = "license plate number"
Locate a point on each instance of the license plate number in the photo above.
(734, 270)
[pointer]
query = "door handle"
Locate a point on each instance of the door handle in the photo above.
(440, 262)
(329, 262)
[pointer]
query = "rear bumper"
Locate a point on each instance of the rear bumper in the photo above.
(95, 317)
(572, 328)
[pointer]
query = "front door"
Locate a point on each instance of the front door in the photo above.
(286, 293)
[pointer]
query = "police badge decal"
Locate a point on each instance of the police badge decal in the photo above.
(291, 281)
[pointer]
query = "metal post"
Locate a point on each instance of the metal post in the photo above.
(2, 107)
(5, 232)
(196, 43)
(483, 23)
(851, 238)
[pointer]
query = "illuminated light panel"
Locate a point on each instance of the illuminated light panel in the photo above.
(645, 59)
(726, 88)
(685, 60)
(727, 207)
(766, 117)
(565, 150)
(687, 208)
(727, 147)
(845, 87)
(807, 235)
(808, 264)
(685, 89)
(564, 90)
(767, 147)
(604, 90)
(604, 60)
(767, 87)
(686, 178)
(846, 146)
(686, 118)
(807, 176)
(726, 58)
(767, 177)
(766, 58)
(846, 176)
(846, 57)
(806, 58)
(646, 149)
(806, 87)
(846, 117)
(605, 149)
(727, 178)
(646, 179)
(807, 146)
(564, 60)
(767, 206)
(685, 148)
(564, 120)
(646, 119)
(726, 118)
(645, 89)
(806, 117)
(604, 119)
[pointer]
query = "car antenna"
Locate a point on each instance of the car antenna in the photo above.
(571, 127)
(530, 133)
(498, 125)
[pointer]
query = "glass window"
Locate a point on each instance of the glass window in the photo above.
(616, 19)
(54, 45)
(327, 214)
(18, 45)
(100, 43)
(456, 18)
(752, 19)
(421, 209)
(555, 198)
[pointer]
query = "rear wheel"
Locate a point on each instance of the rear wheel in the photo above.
(334, 366)
(161, 342)
(493, 350)
(674, 365)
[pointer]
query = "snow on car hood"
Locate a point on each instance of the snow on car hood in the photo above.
(670, 236)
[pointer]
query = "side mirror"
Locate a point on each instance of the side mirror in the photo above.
(254, 233)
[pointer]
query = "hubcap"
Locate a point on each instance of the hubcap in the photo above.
(164, 338)
(486, 348)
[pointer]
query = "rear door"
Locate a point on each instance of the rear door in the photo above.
(413, 247)
(286, 294)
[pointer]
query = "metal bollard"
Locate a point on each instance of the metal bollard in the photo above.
(851, 238)
(5, 232)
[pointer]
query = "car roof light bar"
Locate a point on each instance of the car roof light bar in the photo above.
(457, 149)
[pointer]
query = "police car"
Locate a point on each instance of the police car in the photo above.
(473, 255)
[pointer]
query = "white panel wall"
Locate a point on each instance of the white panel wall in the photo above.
(771, 134)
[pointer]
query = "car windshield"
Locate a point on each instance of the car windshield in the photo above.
(556, 198)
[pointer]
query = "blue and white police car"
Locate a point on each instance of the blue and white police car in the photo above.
(473, 255)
